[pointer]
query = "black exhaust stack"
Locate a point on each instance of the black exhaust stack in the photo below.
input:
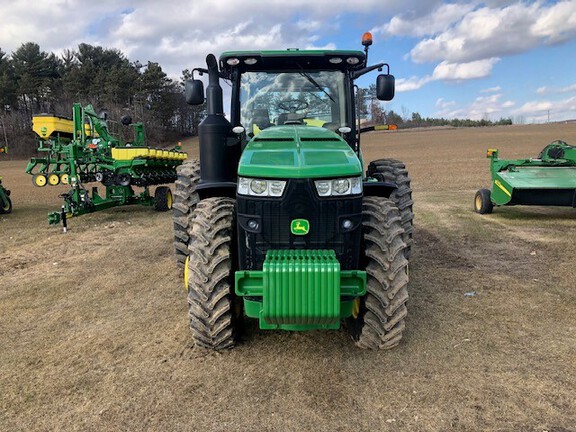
(219, 151)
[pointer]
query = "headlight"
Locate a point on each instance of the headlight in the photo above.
(337, 187)
(341, 186)
(323, 187)
(260, 187)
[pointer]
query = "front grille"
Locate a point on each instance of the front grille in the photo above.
(300, 201)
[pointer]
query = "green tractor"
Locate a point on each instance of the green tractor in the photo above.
(5, 202)
(548, 180)
(280, 220)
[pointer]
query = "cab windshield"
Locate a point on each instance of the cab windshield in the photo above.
(314, 98)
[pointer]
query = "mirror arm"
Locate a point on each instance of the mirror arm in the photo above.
(379, 66)
(201, 71)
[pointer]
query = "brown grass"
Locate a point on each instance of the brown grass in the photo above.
(93, 330)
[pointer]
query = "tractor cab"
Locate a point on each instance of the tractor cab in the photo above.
(293, 87)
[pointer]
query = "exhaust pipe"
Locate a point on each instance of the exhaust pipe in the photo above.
(214, 99)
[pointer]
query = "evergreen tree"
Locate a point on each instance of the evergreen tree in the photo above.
(8, 97)
(36, 73)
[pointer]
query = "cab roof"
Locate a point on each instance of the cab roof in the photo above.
(291, 59)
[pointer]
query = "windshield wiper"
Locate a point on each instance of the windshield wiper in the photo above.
(318, 86)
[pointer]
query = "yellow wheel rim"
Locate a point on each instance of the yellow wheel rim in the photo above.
(356, 308)
(53, 179)
(186, 273)
(169, 200)
(39, 180)
(64, 178)
(478, 202)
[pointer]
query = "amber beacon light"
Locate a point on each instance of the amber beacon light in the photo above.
(367, 39)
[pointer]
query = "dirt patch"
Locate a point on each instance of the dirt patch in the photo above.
(94, 334)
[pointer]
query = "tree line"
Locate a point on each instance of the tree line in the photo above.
(33, 81)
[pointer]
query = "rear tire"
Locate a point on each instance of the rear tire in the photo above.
(185, 200)
(379, 323)
(162, 198)
(211, 299)
(482, 202)
(394, 171)
(5, 203)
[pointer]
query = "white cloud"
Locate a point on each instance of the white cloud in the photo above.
(443, 104)
(546, 110)
(464, 71)
(483, 107)
(441, 19)
(449, 72)
(534, 107)
(494, 108)
(309, 25)
(557, 23)
(412, 83)
(491, 89)
(568, 89)
(489, 32)
(551, 90)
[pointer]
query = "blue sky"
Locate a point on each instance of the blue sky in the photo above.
(465, 59)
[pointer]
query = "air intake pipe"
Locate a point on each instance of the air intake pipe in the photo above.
(219, 152)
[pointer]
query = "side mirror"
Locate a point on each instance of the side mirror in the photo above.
(385, 87)
(194, 92)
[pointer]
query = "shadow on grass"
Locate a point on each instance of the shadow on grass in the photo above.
(529, 213)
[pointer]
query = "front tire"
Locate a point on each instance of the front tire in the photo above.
(378, 322)
(185, 200)
(394, 171)
(211, 299)
(482, 202)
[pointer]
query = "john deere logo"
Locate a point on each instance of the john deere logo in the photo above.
(300, 227)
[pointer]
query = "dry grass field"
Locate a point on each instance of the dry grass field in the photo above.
(94, 337)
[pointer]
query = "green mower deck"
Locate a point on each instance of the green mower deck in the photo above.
(548, 180)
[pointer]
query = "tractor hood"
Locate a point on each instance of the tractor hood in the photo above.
(298, 151)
